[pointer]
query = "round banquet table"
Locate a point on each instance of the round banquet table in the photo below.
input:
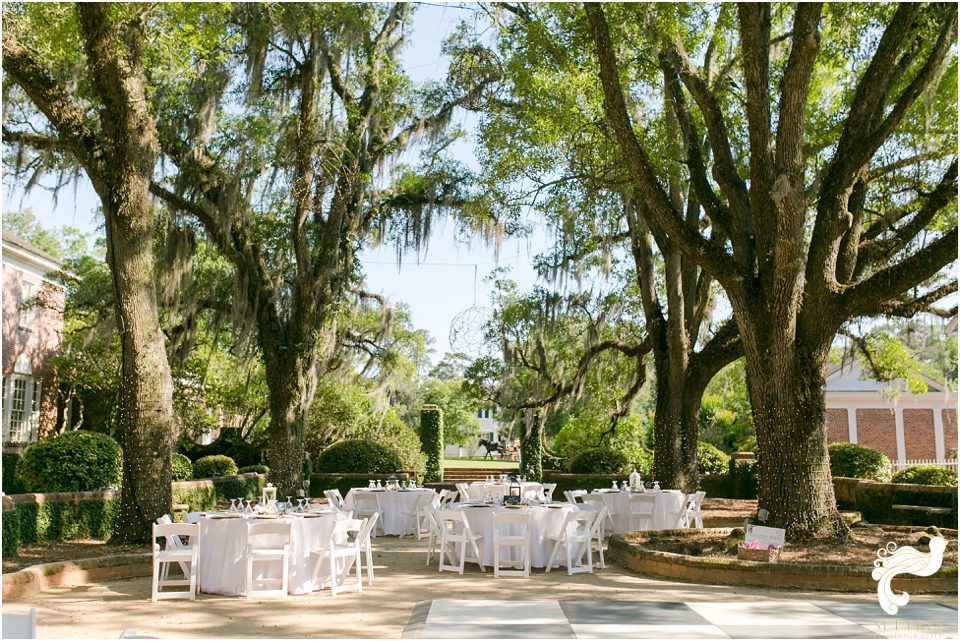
(223, 546)
(498, 490)
(544, 521)
(394, 506)
(666, 511)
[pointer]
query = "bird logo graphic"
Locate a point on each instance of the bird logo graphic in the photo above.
(892, 561)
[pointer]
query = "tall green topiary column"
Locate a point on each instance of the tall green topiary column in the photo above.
(531, 449)
(431, 441)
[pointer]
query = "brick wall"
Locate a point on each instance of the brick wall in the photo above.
(40, 341)
(877, 428)
(918, 434)
(950, 433)
(837, 428)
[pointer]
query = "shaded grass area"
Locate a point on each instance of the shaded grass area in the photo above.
(479, 463)
(54, 551)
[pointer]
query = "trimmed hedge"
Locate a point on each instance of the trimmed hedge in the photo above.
(181, 468)
(359, 456)
(69, 517)
(11, 484)
(57, 520)
(549, 461)
(711, 460)
(346, 482)
(600, 460)
(71, 462)
(531, 451)
(926, 475)
(431, 442)
(258, 469)
(214, 465)
(849, 460)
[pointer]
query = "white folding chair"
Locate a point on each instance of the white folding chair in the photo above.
(464, 491)
(260, 552)
(20, 626)
(173, 541)
(575, 537)
(454, 528)
(447, 497)
(435, 531)
(342, 551)
(641, 511)
(334, 498)
(175, 551)
(573, 495)
(192, 517)
(365, 546)
(548, 489)
(413, 516)
(365, 505)
(131, 633)
(691, 516)
(597, 501)
(503, 523)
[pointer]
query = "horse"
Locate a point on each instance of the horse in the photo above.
(491, 446)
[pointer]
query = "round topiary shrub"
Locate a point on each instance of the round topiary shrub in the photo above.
(256, 469)
(181, 468)
(215, 465)
(926, 475)
(358, 456)
(71, 462)
(600, 460)
(710, 460)
(858, 462)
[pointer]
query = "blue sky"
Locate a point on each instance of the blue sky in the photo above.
(437, 285)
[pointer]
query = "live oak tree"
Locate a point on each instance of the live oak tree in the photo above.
(101, 120)
(290, 168)
(548, 148)
(831, 181)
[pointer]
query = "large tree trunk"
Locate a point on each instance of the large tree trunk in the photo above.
(674, 433)
(786, 393)
(292, 383)
(147, 422)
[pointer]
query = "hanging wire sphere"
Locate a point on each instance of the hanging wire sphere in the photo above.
(475, 74)
(468, 331)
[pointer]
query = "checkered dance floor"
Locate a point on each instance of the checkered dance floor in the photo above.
(449, 619)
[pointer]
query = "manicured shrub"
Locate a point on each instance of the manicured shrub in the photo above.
(11, 484)
(600, 460)
(858, 462)
(181, 468)
(216, 465)
(71, 462)
(358, 456)
(710, 460)
(926, 475)
(257, 469)
(431, 442)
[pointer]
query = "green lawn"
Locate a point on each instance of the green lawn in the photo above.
(476, 462)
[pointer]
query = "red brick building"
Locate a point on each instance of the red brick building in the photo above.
(904, 426)
(32, 333)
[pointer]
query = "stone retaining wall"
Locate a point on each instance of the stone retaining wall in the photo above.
(28, 581)
(838, 578)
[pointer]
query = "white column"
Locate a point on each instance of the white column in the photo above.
(901, 442)
(852, 424)
(938, 433)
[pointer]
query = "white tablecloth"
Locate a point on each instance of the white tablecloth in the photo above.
(498, 490)
(666, 511)
(394, 505)
(544, 521)
(223, 546)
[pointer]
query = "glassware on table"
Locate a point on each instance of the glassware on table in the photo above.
(371, 485)
(615, 486)
(656, 486)
(379, 487)
(302, 507)
(403, 485)
(233, 505)
(412, 485)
